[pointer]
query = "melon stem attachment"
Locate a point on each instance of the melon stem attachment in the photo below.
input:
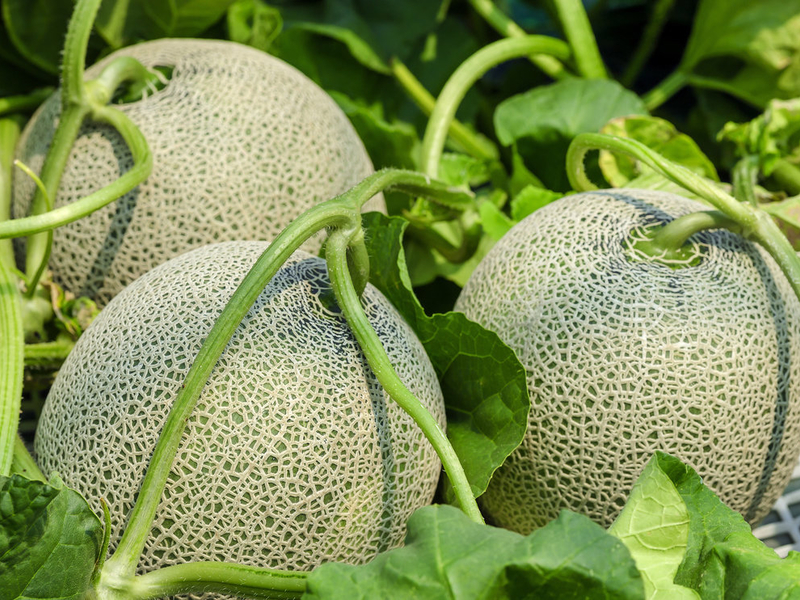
(343, 211)
(750, 221)
(376, 356)
(668, 242)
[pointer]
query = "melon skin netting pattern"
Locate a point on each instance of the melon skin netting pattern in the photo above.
(626, 356)
(294, 454)
(242, 144)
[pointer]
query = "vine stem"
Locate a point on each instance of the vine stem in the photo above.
(22, 103)
(350, 303)
(754, 223)
(665, 90)
(216, 577)
(75, 106)
(465, 76)
(505, 26)
(341, 212)
(80, 99)
(745, 177)
(142, 166)
(9, 134)
(73, 90)
(12, 363)
(48, 355)
(458, 132)
(656, 22)
(579, 34)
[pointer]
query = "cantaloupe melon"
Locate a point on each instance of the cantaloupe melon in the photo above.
(626, 355)
(294, 454)
(242, 144)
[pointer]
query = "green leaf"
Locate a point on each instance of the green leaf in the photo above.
(328, 63)
(50, 540)
(254, 23)
(460, 273)
(661, 136)
(37, 29)
(787, 210)
(745, 48)
(654, 525)
(394, 144)
(465, 171)
(543, 121)
(389, 144)
(448, 557)
(521, 177)
(484, 385)
(184, 18)
(495, 223)
(373, 32)
(120, 22)
(723, 558)
(531, 199)
(771, 136)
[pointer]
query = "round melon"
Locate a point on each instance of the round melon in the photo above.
(242, 144)
(626, 355)
(294, 455)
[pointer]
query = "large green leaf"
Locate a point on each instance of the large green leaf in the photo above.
(723, 558)
(50, 540)
(543, 121)
(120, 22)
(37, 29)
(448, 557)
(389, 144)
(654, 525)
(394, 144)
(746, 48)
(662, 136)
(374, 32)
(482, 380)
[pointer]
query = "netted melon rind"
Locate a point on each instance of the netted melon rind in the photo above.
(294, 455)
(625, 357)
(242, 144)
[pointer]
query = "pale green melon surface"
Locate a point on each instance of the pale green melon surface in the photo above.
(294, 455)
(626, 356)
(242, 144)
